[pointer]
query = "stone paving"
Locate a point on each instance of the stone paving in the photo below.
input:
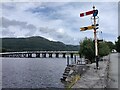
(93, 78)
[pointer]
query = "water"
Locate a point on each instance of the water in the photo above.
(32, 72)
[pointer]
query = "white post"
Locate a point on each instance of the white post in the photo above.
(96, 44)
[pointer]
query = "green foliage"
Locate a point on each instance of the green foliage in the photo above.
(87, 49)
(103, 49)
(34, 43)
(117, 44)
(111, 45)
(3, 50)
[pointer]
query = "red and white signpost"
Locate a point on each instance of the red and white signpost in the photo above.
(94, 12)
(86, 13)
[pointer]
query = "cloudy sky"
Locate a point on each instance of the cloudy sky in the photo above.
(58, 21)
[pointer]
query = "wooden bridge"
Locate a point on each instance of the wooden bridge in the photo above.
(39, 54)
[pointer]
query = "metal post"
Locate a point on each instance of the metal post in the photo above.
(75, 58)
(67, 60)
(96, 45)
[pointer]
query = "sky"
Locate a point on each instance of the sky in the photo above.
(58, 21)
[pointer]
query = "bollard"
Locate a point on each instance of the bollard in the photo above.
(67, 60)
(72, 61)
(80, 55)
(75, 59)
(64, 55)
(71, 55)
(97, 64)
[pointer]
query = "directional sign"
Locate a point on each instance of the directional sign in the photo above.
(87, 28)
(86, 13)
(95, 13)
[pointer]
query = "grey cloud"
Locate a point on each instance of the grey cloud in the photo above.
(44, 30)
(6, 32)
(6, 23)
(52, 32)
(30, 33)
(8, 6)
(64, 37)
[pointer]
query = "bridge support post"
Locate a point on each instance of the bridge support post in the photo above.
(43, 55)
(24, 54)
(37, 55)
(64, 55)
(10, 55)
(19, 55)
(29, 55)
(57, 55)
(50, 55)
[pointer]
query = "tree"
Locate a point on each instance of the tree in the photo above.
(3, 50)
(103, 49)
(35, 43)
(87, 49)
(111, 45)
(117, 45)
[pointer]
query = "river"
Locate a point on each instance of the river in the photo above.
(32, 72)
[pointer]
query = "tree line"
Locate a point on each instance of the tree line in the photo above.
(87, 48)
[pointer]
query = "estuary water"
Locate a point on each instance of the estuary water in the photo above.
(32, 72)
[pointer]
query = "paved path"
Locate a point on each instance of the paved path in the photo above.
(113, 73)
(93, 78)
(98, 78)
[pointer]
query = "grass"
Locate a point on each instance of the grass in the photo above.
(72, 82)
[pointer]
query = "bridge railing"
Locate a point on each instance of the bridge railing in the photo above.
(29, 53)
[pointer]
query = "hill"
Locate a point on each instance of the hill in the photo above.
(35, 43)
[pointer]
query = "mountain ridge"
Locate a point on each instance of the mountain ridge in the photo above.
(35, 43)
